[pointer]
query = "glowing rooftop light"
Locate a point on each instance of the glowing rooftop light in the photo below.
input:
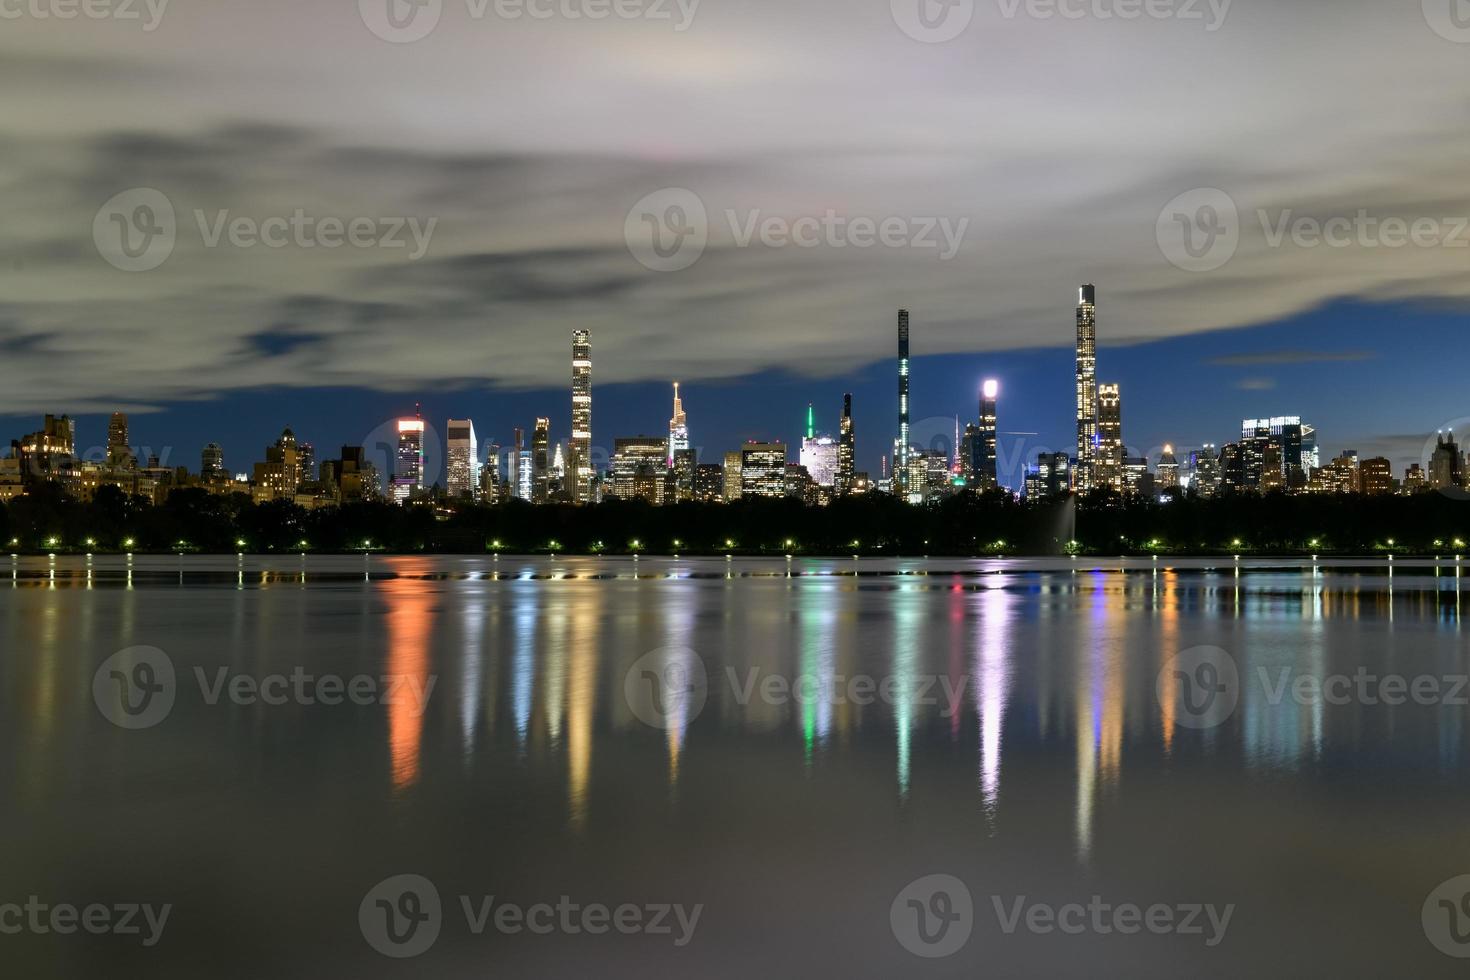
(991, 388)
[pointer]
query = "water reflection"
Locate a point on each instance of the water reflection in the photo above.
(410, 626)
(1062, 666)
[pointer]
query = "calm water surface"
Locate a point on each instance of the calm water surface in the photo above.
(627, 733)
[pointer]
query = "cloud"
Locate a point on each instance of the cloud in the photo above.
(528, 142)
(1256, 384)
(1290, 357)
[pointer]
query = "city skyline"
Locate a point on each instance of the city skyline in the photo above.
(420, 459)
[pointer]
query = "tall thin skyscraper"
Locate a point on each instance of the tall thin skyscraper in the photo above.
(901, 451)
(541, 461)
(117, 440)
(846, 458)
(678, 428)
(1086, 386)
(985, 469)
(580, 465)
(408, 471)
(1108, 459)
(520, 482)
(462, 478)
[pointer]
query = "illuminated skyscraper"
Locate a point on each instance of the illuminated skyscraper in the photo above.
(984, 449)
(846, 454)
(580, 465)
(408, 470)
(520, 482)
(1107, 461)
(763, 469)
(819, 454)
(462, 450)
(678, 428)
(541, 461)
(1168, 471)
(118, 453)
(901, 448)
(1207, 476)
(733, 462)
(1086, 387)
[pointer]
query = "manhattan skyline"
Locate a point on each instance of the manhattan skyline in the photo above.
(1259, 372)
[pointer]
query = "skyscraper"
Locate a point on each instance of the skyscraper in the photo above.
(763, 469)
(901, 450)
(819, 454)
(520, 483)
(984, 450)
(580, 465)
(1086, 386)
(733, 462)
(118, 453)
(408, 470)
(211, 460)
(1168, 470)
(678, 428)
(541, 461)
(846, 456)
(462, 479)
(1107, 459)
(1446, 463)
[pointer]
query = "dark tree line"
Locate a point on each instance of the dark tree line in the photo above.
(194, 520)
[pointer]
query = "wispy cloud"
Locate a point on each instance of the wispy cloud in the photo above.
(1291, 357)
